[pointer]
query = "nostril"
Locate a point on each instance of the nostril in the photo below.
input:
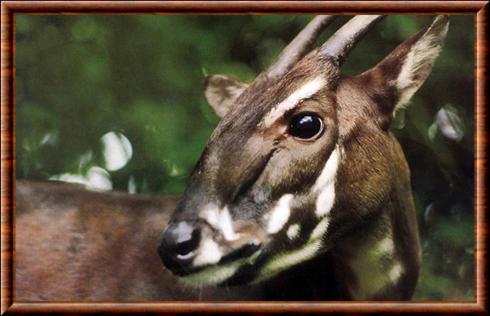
(179, 243)
(186, 244)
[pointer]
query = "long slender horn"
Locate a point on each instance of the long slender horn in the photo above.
(299, 46)
(341, 43)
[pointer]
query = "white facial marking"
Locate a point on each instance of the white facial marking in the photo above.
(213, 275)
(417, 65)
(209, 253)
(283, 261)
(227, 225)
(293, 231)
(305, 91)
(279, 214)
(287, 259)
(395, 272)
(325, 184)
(320, 229)
(220, 220)
(219, 273)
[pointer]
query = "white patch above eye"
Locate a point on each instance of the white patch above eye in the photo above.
(307, 90)
(325, 184)
(220, 220)
(209, 253)
(293, 231)
(279, 214)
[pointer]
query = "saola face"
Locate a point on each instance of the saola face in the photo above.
(239, 195)
(300, 159)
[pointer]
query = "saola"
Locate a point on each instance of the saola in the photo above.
(302, 185)
(302, 192)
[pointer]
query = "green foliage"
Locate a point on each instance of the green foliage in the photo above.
(139, 79)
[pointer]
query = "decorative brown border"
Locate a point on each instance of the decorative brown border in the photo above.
(10, 8)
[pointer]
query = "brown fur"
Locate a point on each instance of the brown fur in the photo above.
(76, 245)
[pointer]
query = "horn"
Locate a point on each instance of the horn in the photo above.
(299, 46)
(338, 46)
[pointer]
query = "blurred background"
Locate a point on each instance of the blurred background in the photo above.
(116, 103)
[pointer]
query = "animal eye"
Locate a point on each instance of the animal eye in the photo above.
(305, 126)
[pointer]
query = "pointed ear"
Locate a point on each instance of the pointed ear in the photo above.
(221, 92)
(405, 69)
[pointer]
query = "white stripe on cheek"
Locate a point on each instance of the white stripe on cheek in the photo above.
(320, 229)
(325, 184)
(279, 214)
(293, 231)
(305, 91)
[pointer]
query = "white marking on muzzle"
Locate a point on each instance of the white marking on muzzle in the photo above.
(325, 184)
(213, 275)
(209, 253)
(220, 220)
(216, 274)
(279, 214)
(307, 90)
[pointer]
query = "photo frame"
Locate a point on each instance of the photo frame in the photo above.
(12, 8)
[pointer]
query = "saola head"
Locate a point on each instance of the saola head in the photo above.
(301, 159)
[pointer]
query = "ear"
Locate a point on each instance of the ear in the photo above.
(221, 92)
(405, 69)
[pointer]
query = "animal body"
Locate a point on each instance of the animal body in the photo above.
(72, 244)
(302, 184)
(302, 193)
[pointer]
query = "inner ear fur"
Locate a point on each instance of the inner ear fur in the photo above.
(221, 92)
(400, 74)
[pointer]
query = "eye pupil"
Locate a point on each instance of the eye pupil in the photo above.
(305, 126)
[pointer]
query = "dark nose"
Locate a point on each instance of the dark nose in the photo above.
(178, 246)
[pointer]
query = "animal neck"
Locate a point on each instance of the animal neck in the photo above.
(368, 258)
(364, 265)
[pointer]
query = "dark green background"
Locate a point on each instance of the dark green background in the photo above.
(80, 77)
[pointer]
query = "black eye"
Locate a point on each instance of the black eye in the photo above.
(305, 126)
